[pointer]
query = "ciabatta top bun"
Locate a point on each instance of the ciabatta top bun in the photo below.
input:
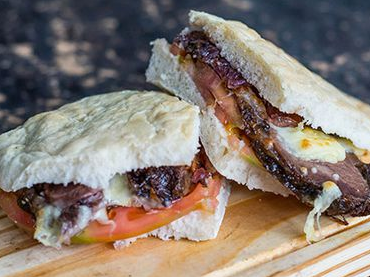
(70, 144)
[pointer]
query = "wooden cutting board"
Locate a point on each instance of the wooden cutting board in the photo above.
(261, 235)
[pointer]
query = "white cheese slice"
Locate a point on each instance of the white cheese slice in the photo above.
(310, 144)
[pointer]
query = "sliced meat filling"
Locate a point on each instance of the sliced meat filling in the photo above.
(161, 186)
(63, 211)
(239, 104)
(70, 205)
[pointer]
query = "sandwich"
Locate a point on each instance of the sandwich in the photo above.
(112, 168)
(267, 121)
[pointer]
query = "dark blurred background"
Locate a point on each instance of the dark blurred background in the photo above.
(53, 52)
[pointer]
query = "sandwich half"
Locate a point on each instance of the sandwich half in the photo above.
(267, 121)
(111, 168)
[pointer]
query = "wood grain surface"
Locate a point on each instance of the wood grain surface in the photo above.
(261, 235)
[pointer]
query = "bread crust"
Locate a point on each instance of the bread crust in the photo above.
(93, 139)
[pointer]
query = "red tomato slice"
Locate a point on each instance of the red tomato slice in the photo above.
(129, 222)
(8, 202)
(213, 91)
(125, 222)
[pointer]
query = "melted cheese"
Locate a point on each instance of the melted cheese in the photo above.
(310, 144)
(362, 154)
(48, 226)
(329, 194)
(118, 192)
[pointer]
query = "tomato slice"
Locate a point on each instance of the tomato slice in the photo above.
(8, 202)
(215, 94)
(127, 222)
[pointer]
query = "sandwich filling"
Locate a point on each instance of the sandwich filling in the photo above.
(135, 203)
(302, 158)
